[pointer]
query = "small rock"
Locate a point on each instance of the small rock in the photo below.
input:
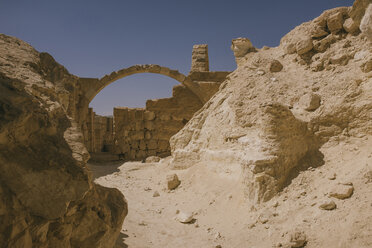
(275, 66)
(142, 223)
(152, 159)
(304, 46)
(218, 246)
(310, 101)
(332, 177)
(184, 217)
(217, 235)
(327, 205)
(318, 32)
(335, 22)
(241, 46)
(260, 72)
(147, 189)
(367, 66)
(156, 194)
(339, 59)
(297, 239)
(351, 26)
(341, 191)
(173, 181)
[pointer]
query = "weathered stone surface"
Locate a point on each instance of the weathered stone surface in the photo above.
(241, 46)
(341, 191)
(200, 60)
(152, 159)
(327, 205)
(275, 66)
(335, 22)
(309, 101)
(172, 181)
(351, 26)
(366, 23)
(184, 217)
(303, 46)
(43, 178)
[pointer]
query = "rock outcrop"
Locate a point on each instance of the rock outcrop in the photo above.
(47, 197)
(264, 125)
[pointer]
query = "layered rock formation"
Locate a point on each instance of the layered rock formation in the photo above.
(268, 121)
(47, 197)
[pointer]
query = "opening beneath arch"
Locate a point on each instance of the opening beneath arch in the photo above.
(134, 117)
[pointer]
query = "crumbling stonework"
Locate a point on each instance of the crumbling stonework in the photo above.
(138, 133)
(200, 59)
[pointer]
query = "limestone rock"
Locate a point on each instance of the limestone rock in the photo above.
(172, 181)
(366, 23)
(43, 176)
(152, 159)
(351, 26)
(367, 66)
(241, 46)
(303, 46)
(156, 194)
(327, 205)
(309, 101)
(341, 191)
(184, 217)
(297, 239)
(335, 22)
(275, 66)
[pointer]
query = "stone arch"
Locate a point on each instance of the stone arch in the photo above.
(93, 88)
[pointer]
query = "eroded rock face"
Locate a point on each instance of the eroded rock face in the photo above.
(259, 129)
(47, 197)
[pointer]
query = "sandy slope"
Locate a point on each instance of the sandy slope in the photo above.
(224, 218)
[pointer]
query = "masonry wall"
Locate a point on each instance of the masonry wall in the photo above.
(143, 132)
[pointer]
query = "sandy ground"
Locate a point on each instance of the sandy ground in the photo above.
(222, 215)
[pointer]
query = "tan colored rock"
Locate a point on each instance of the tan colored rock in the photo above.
(152, 159)
(172, 181)
(366, 23)
(241, 46)
(318, 32)
(327, 205)
(149, 115)
(43, 174)
(303, 46)
(309, 101)
(341, 191)
(351, 26)
(335, 22)
(184, 217)
(275, 66)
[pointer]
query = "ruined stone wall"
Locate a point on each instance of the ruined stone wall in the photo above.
(103, 134)
(143, 132)
(199, 58)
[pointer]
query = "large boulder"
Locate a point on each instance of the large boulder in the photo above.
(47, 196)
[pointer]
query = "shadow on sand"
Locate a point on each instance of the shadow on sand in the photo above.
(120, 241)
(104, 168)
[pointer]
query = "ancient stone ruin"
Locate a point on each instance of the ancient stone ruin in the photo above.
(137, 133)
(276, 153)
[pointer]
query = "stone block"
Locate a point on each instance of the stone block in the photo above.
(142, 145)
(149, 125)
(351, 26)
(152, 144)
(149, 115)
(335, 22)
(303, 46)
(147, 135)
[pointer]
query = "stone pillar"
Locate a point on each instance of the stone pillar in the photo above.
(199, 59)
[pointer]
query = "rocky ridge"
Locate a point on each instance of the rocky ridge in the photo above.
(282, 104)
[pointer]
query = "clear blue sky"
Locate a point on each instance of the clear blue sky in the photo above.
(93, 38)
